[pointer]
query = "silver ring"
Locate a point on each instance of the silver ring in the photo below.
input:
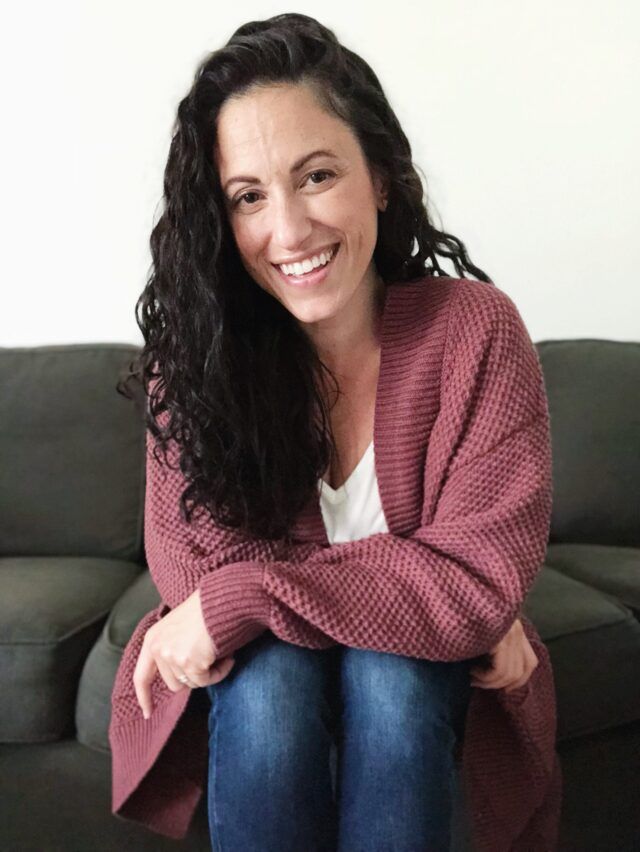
(184, 679)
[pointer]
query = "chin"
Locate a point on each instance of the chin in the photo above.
(309, 317)
(311, 313)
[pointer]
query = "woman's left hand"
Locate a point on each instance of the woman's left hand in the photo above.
(177, 644)
(513, 661)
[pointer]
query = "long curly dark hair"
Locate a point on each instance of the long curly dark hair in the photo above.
(230, 378)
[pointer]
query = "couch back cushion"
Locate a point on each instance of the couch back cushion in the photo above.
(72, 453)
(593, 387)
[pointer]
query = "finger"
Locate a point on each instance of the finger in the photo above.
(516, 680)
(499, 681)
(180, 675)
(484, 673)
(506, 672)
(142, 677)
(523, 680)
(501, 685)
(221, 669)
(492, 679)
(480, 673)
(517, 684)
(194, 680)
(214, 674)
(168, 676)
(197, 677)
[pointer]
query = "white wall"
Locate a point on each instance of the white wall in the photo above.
(524, 118)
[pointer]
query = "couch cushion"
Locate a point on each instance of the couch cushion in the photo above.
(51, 613)
(594, 645)
(613, 570)
(594, 407)
(93, 710)
(72, 472)
(56, 797)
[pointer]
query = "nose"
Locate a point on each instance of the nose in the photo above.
(290, 224)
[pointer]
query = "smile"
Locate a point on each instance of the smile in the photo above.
(298, 277)
(301, 267)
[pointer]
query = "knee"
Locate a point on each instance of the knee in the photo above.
(270, 699)
(397, 695)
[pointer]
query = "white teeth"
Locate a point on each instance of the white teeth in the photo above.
(307, 264)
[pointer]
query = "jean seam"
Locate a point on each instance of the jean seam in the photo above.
(213, 814)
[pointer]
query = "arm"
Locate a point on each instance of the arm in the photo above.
(450, 591)
(453, 588)
(179, 555)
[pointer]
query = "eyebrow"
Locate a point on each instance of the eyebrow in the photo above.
(321, 152)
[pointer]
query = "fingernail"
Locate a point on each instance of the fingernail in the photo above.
(145, 714)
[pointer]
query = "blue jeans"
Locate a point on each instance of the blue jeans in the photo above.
(394, 721)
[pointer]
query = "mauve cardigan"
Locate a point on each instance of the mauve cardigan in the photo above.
(463, 462)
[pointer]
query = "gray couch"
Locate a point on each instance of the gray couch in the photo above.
(73, 584)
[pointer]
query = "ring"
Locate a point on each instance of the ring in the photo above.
(184, 679)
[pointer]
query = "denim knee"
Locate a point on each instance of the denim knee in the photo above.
(394, 693)
(274, 694)
(269, 785)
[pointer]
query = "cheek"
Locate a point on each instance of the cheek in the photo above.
(361, 230)
(341, 215)
(246, 242)
(355, 213)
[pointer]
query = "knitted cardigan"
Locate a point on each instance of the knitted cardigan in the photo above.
(463, 460)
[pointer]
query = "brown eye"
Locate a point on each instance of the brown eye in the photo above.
(321, 172)
(240, 197)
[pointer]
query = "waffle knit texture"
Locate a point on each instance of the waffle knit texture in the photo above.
(463, 461)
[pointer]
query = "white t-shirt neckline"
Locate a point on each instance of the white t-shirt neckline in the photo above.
(337, 495)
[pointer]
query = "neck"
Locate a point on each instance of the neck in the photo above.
(352, 341)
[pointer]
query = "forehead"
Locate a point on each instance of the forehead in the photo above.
(274, 126)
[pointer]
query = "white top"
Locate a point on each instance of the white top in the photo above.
(354, 510)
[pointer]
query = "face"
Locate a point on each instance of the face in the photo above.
(286, 206)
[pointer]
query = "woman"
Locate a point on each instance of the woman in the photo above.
(296, 318)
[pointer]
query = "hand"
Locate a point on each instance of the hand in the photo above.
(513, 661)
(178, 644)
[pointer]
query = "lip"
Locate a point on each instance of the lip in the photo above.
(311, 278)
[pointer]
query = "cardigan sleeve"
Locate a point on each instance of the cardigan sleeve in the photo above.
(452, 589)
(448, 591)
(180, 554)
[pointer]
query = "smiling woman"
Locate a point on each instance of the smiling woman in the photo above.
(286, 151)
(304, 205)
(397, 526)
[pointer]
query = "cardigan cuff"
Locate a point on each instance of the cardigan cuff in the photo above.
(234, 604)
